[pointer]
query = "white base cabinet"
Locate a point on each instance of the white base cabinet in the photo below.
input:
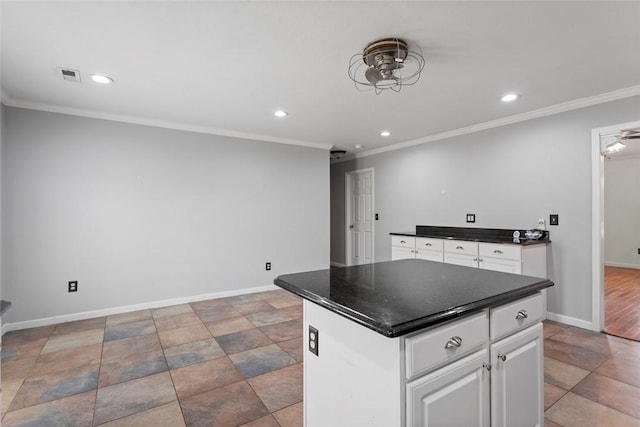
(482, 370)
(456, 395)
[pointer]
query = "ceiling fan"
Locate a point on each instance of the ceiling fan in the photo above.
(629, 134)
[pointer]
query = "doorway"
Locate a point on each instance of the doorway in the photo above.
(616, 280)
(359, 217)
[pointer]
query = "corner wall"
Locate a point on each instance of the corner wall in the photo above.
(509, 177)
(139, 214)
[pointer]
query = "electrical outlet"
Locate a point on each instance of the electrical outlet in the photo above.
(553, 219)
(267, 266)
(471, 217)
(376, 217)
(314, 339)
(638, 251)
(73, 286)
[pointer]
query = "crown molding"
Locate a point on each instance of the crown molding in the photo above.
(542, 112)
(12, 102)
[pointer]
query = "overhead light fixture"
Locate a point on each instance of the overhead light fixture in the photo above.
(102, 79)
(385, 133)
(358, 146)
(281, 113)
(386, 64)
(614, 147)
(509, 97)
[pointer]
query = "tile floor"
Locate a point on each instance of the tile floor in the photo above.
(227, 362)
(237, 362)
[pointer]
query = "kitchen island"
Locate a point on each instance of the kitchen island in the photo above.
(420, 343)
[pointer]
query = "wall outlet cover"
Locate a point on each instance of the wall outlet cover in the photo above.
(73, 286)
(471, 217)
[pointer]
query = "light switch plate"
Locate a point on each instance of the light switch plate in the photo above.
(553, 219)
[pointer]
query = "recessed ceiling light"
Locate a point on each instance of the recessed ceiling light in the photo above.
(509, 97)
(385, 133)
(358, 146)
(281, 113)
(99, 78)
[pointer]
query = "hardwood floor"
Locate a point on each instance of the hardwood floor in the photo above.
(622, 302)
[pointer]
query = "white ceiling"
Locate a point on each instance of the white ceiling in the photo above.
(224, 67)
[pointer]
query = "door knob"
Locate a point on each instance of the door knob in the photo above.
(351, 226)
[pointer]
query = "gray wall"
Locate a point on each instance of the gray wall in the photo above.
(139, 214)
(509, 177)
(622, 212)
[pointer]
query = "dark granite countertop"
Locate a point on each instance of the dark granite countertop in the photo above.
(488, 235)
(398, 297)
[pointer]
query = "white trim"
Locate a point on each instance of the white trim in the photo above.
(571, 321)
(542, 112)
(337, 264)
(597, 221)
(7, 327)
(347, 205)
(7, 100)
(622, 265)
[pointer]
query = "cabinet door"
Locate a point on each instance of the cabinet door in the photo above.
(517, 397)
(398, 252)
(429, 255)
(456, 395)
(504, 265)
(461, 259)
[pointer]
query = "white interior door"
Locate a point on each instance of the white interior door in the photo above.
(359, 217)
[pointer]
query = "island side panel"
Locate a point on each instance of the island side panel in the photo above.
(356, 378)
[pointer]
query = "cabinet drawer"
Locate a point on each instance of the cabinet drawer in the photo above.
(430, 244)
(501, 251)
(461, 247)
(514, 316)
(403, 241)
(444, 344)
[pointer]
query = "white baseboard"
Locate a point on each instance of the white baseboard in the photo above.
(7, 327)
(572, 321)
(620, 264)
(337, 264)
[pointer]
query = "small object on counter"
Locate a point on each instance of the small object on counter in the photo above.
(533, 234)
(516, 236)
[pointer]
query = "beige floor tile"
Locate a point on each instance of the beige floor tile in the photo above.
(72, 411)
(9, 390)
(552, 394)
(266, 421)
(17, 369)
(171, 310)
(205, 376)
(229, 326)
(133, 316)
(576, 411)
(177, 321)
(562, 374)
(165, 415)
(173, 337)
(290, 416)
(615, 394)
(73, 340)
(279, 389)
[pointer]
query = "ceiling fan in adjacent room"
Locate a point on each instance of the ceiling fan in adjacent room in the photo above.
(618, 144)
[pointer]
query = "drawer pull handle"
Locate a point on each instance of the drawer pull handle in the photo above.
(502, 357)
(475, 259)
(459, 247)
(487, 366)
(453, 342)
(522, 314)
(402, 241)
(412, 251)
(428, 244)
(497, 251)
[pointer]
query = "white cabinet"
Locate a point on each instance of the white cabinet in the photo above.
(500, 384)
(456, 395)
(478, 371)
(461, 252)
(429, 249)
(530, 260)
(403, 247)
(517, 392)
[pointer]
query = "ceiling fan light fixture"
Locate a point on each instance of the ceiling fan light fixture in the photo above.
(385, 133)
(509, 97)
(280, 113)
(386, 64)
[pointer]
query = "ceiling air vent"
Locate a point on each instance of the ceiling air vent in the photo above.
(69, 75)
